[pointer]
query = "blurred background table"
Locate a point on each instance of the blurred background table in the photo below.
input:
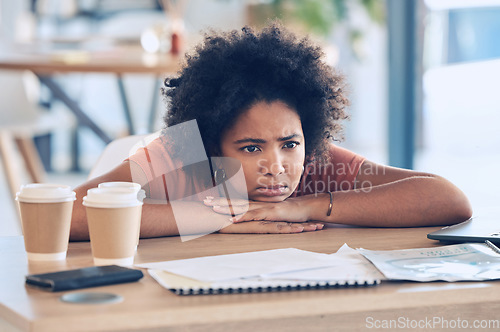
(46, 59)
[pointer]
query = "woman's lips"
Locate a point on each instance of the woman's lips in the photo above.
(272, 191)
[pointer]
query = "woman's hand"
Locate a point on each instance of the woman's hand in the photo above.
(292, 210)
(269, 227)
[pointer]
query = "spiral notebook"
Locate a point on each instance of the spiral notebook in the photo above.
(185, 286)
(265, 271)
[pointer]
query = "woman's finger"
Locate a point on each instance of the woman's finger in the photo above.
(230, 210)
(311, 226)
(264, 227)
(262, 214)
(222, 201)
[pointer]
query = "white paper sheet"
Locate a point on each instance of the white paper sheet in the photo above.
(247, 265)
(354, 266)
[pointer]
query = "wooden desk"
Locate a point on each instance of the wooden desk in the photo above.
(46, 59)
(147, 305)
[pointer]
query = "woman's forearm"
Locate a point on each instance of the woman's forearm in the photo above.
(179, 218)
(413, 201)
(161, 219)
(156, 218)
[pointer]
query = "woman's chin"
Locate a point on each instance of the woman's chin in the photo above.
(269, 199)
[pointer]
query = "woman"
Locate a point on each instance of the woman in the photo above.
(267, 100)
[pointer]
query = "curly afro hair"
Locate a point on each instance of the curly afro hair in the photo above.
(230, 71)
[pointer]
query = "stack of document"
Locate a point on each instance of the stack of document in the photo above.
(269, 270)
(292, 269)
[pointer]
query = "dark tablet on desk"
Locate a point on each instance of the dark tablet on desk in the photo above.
(476, 229)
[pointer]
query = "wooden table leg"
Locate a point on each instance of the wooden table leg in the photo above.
(7, 155)
(31, 158)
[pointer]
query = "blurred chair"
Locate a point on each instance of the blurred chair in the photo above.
(119, 150)
(21, 119)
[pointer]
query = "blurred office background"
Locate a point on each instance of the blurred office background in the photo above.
(423, 77)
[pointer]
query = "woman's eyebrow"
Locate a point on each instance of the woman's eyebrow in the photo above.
(262, 141)
(286, 138)
(250, 140)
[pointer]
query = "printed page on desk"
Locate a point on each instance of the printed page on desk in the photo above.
(246, 265)
(263, 271)
(461, 262)
(354, 267)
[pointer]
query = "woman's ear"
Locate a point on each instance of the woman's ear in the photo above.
(219, 176)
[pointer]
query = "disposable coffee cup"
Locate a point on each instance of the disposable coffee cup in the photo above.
(46, 211)
(141, 194)
(113, 216)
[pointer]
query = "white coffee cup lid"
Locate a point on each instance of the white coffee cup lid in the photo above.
(111, 197)
(120, 184)
(141, 194)
(45, 193)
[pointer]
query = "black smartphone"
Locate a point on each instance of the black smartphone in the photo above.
(83, 278)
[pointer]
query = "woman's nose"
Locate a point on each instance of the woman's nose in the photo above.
(273, 165)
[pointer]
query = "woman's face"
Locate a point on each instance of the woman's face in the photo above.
(269, 142)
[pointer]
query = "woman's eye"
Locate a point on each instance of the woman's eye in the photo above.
(290, 145)
(250, 148)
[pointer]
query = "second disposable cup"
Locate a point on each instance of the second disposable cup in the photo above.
(128, 185)
(113, 216)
